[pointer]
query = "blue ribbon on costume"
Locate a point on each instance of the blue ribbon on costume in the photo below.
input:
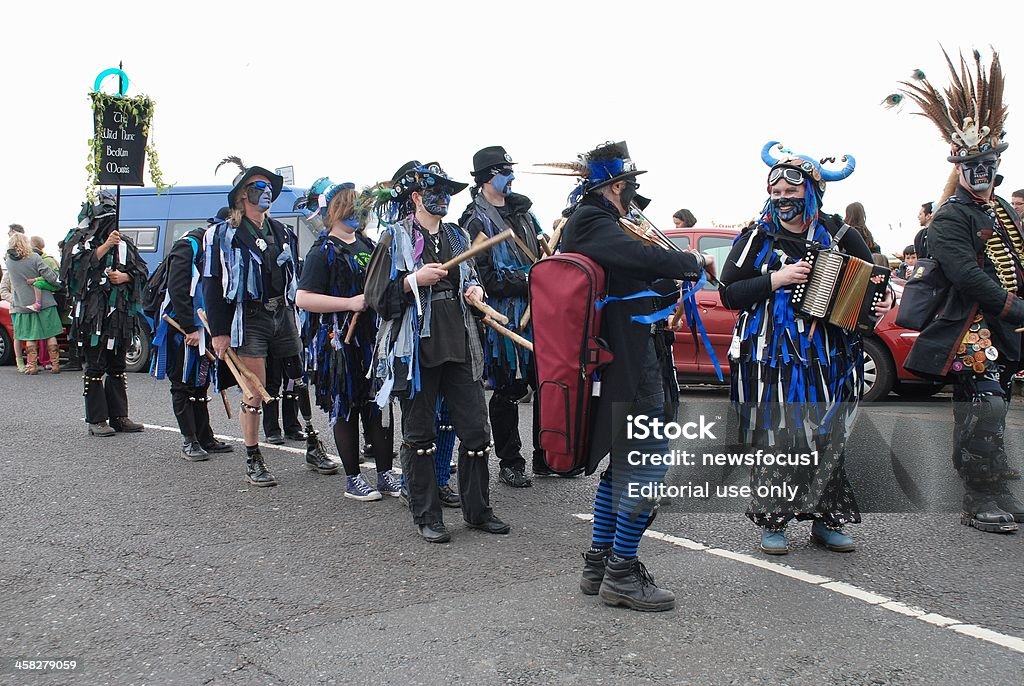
(693, 320)
(689, 305)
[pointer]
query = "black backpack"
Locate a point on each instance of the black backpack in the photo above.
(155, 292)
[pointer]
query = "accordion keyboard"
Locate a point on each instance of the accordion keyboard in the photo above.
(826, 268)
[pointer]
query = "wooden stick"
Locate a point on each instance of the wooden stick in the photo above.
(210, 356)
(511, 335)
(478, 248)
(176, 325)
(238, 368)
(351, 332)
(552, 245)
(525, 319)
(489, 311)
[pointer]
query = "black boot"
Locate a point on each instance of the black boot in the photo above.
(1008, 502)
(256, 471)
(316, 457)
(593, 571)
(982, 511)
(627, 582)
(193, 451)
(201, 415)
(74, 363)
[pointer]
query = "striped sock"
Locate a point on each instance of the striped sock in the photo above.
(604, 514)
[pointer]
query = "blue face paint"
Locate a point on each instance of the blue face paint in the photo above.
(788, 208)
(503, 182)
(435, 201)
(263, 197)
(351, 222)
(266, 198)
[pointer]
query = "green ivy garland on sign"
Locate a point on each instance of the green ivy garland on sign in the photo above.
(140, 108)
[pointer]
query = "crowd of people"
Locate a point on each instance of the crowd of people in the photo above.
(359, 324)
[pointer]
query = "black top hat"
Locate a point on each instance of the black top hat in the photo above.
(490, 157)
(276, 183)
(608, 163)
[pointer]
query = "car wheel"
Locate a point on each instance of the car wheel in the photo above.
(879, 371)
(6, 348)
(137, 357)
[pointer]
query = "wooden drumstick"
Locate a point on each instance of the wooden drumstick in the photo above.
(210, 356)
(351, 332)
(511, 335)
(478, 248)
(239, 369)
(552, 245)
(488, 311)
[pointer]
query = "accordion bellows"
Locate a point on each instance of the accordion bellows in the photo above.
(841, 289)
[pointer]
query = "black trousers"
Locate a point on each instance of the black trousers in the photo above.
(109, 398)
(980, 404)
(504, 413)
(468, 413)
(190, 403)
(288, 403)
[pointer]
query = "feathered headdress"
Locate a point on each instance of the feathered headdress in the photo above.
(970, 113)
(604, 165)
(235, 160)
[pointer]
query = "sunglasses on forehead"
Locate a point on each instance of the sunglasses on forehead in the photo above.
(261, 185)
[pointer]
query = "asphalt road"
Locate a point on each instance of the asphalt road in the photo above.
(151, 570)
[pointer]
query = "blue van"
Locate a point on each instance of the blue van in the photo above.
(154, 221)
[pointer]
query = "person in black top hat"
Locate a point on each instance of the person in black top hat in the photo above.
(631, 383)
(181, 357)
(105, 277)
(504, 273)
(977, 240)
(428, 343)
(249, 287)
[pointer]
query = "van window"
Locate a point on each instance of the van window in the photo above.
(143, 237)
(718, 247)
(178, 228)
(303, 230)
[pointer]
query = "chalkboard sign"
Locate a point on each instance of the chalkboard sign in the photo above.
(122, 149)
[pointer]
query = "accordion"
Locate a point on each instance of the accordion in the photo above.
(841, 289)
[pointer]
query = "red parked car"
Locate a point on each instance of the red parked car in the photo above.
(6, 334)
(7, 337)
(884, 351)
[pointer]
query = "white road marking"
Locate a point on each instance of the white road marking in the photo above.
(234, 439)
(1013, 643)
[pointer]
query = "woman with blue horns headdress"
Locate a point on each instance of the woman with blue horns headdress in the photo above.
(795, 382)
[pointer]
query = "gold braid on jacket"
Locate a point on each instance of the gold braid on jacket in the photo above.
(998, 252)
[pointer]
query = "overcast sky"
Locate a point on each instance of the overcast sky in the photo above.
(354, 89)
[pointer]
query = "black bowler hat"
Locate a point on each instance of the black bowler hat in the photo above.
(490, 157)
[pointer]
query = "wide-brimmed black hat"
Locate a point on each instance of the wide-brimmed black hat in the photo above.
(489, 158)
(608, 163)
(276, 183)
(413, 176)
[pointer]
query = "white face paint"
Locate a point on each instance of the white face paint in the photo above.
(980, 175)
